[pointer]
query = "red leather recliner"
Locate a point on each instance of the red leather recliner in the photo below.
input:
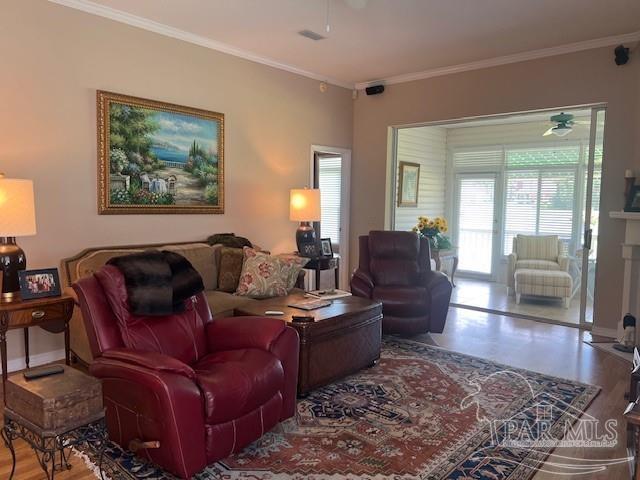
(395, 269)
(203, 388)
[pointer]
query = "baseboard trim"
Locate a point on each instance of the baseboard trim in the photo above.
(604, 332)
(17, 364)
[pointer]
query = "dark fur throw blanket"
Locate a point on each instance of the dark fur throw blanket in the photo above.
(158, 283)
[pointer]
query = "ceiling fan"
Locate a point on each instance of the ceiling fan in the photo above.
(564, 123)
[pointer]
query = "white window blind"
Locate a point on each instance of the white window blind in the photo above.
(475, 223)
(540, 193)
(477, 158)
(329, 183)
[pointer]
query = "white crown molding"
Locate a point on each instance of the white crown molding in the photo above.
(507, 59)
(162, 29)
(93, 8)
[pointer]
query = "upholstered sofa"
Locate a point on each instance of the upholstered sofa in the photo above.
(204, 257)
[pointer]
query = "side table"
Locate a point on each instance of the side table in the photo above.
(325, 263)
(440, 255)
(52, 314)
(53, 414)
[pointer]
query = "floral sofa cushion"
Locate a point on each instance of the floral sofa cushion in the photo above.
(265, 276)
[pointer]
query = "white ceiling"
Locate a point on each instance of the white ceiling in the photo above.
(385, 38)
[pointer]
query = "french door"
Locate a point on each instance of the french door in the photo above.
(476, 229)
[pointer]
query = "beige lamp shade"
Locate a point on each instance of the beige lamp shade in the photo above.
(17, 209)
(304, 205)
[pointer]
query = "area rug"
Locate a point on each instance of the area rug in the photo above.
(422, 413)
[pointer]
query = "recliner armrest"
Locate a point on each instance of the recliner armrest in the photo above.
(151, 360)
(244, 332)
(439, 290)
(362, 284)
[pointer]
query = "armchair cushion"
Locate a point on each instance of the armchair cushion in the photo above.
(537, 247)
(538, 265)
(154, 333)
(151, 360)
(236, 382)
(402, 301)
(244, 332)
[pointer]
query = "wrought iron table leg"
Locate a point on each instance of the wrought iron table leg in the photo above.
(8, 441)
(103, 447)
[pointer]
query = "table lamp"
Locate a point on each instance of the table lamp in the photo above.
(17, 219)
(305, 208)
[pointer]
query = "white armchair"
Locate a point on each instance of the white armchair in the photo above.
(536, 252)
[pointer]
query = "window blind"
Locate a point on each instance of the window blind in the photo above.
(329, 183)
(476, 223)
(477, 158)
(539, 202)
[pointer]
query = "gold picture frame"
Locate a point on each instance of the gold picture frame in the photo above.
(408, 184)
(158, 158)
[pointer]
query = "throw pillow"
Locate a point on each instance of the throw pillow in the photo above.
(231, 260)
(265, 276)
(295, 264)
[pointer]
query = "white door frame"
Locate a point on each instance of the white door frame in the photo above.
(345, 203)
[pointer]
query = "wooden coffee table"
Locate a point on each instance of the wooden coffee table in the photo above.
(344, 337)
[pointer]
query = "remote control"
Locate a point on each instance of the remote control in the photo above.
(273, 312)
(302, 318)
(43, 372)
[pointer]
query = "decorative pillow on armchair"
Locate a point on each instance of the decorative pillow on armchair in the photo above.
(265, 276)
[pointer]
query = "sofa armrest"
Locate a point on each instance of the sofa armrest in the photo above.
(147, 405)
(439, 290)
(362, 284)
(563, 261)
(512, 258)
(244, 332)
(151, 360)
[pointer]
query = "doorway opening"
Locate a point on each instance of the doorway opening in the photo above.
(521, 197)
(331, 173)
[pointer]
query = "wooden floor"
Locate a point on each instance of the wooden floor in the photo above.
(545, 348)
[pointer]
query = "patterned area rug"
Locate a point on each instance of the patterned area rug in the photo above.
(422, 412)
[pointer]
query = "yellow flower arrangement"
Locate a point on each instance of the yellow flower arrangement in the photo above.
(433, 229)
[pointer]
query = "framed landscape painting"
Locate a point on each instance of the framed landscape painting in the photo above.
(408, 184)
(156, 157)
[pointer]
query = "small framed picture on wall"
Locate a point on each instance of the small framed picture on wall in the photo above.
(409, 174)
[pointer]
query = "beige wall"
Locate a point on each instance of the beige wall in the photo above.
(579, 78)
(53, 60)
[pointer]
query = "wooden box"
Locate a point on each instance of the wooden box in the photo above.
(63, 401)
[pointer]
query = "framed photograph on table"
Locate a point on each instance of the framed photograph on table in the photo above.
(39, 283)
(408, 184)
(326, 250)
(633, 200)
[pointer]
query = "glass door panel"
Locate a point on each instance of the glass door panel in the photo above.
(588, 259)
(475, 229)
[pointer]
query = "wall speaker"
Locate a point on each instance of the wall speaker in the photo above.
(374, 90)
(622, 55)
